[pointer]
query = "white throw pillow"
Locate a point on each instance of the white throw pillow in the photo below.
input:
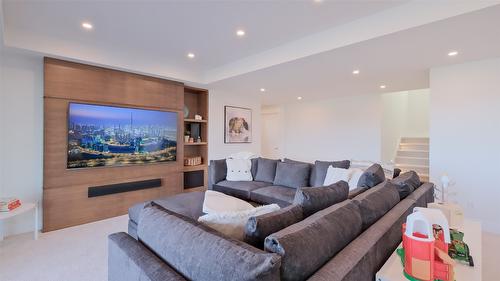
(362, 164)
(232, 224)
(243, 155)
(239, 169)
(355, 175)
(334, 175)
(218, 202)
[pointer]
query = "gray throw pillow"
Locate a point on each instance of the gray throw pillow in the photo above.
(372, 176)
(376, 202)
(253, 170)
(201, 253)
(314, 199)
(266, 169)
(406, 183)
(319, 169)
(306, 246)
(293, 175)
(259, 227)
(217, 171)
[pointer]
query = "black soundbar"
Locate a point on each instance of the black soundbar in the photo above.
(102, 190)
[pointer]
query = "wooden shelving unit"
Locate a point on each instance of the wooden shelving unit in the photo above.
(196, 100)
(195, 121)
(195, 143)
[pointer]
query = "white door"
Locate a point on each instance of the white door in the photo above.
(272, 135)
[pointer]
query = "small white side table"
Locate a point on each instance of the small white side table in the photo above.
(25, 207)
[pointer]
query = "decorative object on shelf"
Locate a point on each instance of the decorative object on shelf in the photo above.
(192, 161)
(186, 111)
(191, 140)
(237, 124)
(186, 138)
(426, 238)
(198, 139)
(198, 117)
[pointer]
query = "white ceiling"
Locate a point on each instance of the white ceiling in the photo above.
(155, 36)
(400, 60)
(292, 48)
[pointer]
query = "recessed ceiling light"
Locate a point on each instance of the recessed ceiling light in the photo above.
(452, 53)
(240, 32)
(190, 55)
(262, 89)
(299, 98)
(383, 86)
(356, 71)
(87, 25)
(318, 1)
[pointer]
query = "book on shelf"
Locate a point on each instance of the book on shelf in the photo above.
(9, 204)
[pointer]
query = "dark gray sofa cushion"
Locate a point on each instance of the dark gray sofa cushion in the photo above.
(259, 227)
(376, 202)
(372, 176)
(240, 189)
(128, 259)
(305, 246)
(313, 199)
(318, 172)
(281, 195)
(217, 171)
(187, 204)
(423, 195)
(292, 175)
(201, 253)
(406, 183)
(266, 169)
(363, 257)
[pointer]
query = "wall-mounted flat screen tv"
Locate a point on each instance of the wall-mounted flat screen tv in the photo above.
(100, 135)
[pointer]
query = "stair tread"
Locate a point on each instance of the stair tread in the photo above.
(413, 157)
(411, 165)
(413, 150)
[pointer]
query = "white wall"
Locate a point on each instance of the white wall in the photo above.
(465, 136)
(339, 128)
(21, 131)
(273, 132)
(405, 114)
(218, 98)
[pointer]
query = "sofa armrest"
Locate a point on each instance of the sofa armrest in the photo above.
(423, 195)
(217, 171)
(130, 260)
(365, 255)
(357, 191)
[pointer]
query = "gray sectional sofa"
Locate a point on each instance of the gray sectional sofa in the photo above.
(321, 233)
(276, 181)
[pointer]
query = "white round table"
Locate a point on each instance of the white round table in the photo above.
(25, 207)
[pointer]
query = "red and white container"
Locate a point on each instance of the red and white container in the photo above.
(422, 250)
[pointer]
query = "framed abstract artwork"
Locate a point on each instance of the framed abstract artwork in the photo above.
(237, 124)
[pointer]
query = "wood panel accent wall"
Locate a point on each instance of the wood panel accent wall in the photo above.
(65, 201)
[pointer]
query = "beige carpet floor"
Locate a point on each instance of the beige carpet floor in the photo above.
(80, 253)
(72, 254)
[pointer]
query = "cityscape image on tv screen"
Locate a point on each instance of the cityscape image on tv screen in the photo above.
(116, 136)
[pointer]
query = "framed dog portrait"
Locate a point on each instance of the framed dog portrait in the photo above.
(237, 124)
